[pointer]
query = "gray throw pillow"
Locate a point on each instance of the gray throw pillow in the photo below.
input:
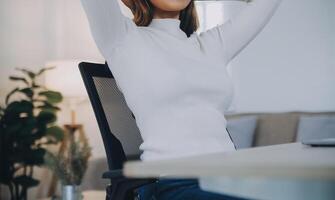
(315, 127)
(242, 131)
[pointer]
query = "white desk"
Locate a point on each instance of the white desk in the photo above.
(288, 171)
(89, 195)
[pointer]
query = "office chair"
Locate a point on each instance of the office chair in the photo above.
(118, 129)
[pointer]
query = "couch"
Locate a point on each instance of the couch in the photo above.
(277, 127)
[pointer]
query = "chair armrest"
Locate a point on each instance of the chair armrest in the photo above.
(123, 184)
(117, 175)
(114, 174)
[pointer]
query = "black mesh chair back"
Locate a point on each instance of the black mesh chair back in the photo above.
(117, 124)
(118, 129)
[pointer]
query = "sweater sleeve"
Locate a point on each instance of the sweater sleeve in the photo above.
(107, 23)
(236, 33)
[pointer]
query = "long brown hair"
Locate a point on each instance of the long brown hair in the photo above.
(143, 14)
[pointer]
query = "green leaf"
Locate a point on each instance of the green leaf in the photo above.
(45, 69)
(28, 92)
(34, 156)
(52, 96)
(52, 109)
(16, 156)
(31, 74)
(17, 78)
(10, 94)
(26, 133)
(12, 128)
(41, 130)
(46, 117)
(26, 181)
(48, 107)
(6, 174)
(55, 133)
(19, 107)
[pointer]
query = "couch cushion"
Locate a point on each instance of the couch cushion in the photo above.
(272, 128)
(242, 131)
(316, 127)
(276, 127)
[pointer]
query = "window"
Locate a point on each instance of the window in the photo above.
(216, 12)
(210, 14)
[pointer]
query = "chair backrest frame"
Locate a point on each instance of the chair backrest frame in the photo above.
(114, 151)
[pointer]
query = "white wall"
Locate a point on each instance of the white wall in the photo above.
(33, 32)
(290, 65)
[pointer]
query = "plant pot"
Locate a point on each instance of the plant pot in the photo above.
(71, 192)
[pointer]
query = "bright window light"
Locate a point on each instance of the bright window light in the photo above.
(210, 14)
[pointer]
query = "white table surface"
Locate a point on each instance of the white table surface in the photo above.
(89, 195)
(290, 171)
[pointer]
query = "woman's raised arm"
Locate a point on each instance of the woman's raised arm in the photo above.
(235, 34)
(107, 23)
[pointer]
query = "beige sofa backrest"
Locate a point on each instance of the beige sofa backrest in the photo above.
(276, 128)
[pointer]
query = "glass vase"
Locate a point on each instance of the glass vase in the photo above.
(71, 192)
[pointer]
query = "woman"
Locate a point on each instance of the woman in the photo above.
(174, 80)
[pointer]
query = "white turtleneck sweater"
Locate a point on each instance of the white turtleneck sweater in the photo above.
(177, 87)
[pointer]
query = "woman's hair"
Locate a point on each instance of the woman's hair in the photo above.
(143, 14)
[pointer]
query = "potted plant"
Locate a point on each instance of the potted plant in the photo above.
(27, 127)
(71, 163)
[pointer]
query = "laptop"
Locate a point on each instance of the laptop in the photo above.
(327, 142)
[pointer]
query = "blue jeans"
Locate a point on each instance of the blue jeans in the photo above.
(178, 189)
